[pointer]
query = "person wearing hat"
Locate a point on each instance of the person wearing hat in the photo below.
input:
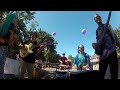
(108, 54)
(82, 59)
(7, 34)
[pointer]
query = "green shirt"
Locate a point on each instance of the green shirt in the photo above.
(81, 61)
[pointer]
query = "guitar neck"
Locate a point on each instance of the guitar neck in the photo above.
(108, 20)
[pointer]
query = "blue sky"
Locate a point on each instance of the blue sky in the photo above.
(68, 26)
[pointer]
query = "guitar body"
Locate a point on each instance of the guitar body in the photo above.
(29, 48)
(98, 50)
(26, 50)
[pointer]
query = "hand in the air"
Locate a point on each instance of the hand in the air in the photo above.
(42, 46)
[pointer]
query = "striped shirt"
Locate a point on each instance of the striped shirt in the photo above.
(108, 46)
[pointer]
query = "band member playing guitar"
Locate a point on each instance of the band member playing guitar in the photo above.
(107, 48)
(28, 61)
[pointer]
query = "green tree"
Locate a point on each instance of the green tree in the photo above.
(50, 53)
(33, 26)
(71, 58)
(117, 31)
(23, 18)
(3, 14)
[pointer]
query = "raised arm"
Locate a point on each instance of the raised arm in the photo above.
(40, 49)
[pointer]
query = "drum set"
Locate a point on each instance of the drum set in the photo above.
(62, 72)
(65, 72)
(12, 67)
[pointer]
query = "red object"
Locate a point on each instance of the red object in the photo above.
(3, 40)
(63, 59)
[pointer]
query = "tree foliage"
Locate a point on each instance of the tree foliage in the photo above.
(71, 58)
(23, 18)
(117, 31)
(50, 53)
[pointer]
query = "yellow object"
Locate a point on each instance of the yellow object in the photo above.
(26, 50)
